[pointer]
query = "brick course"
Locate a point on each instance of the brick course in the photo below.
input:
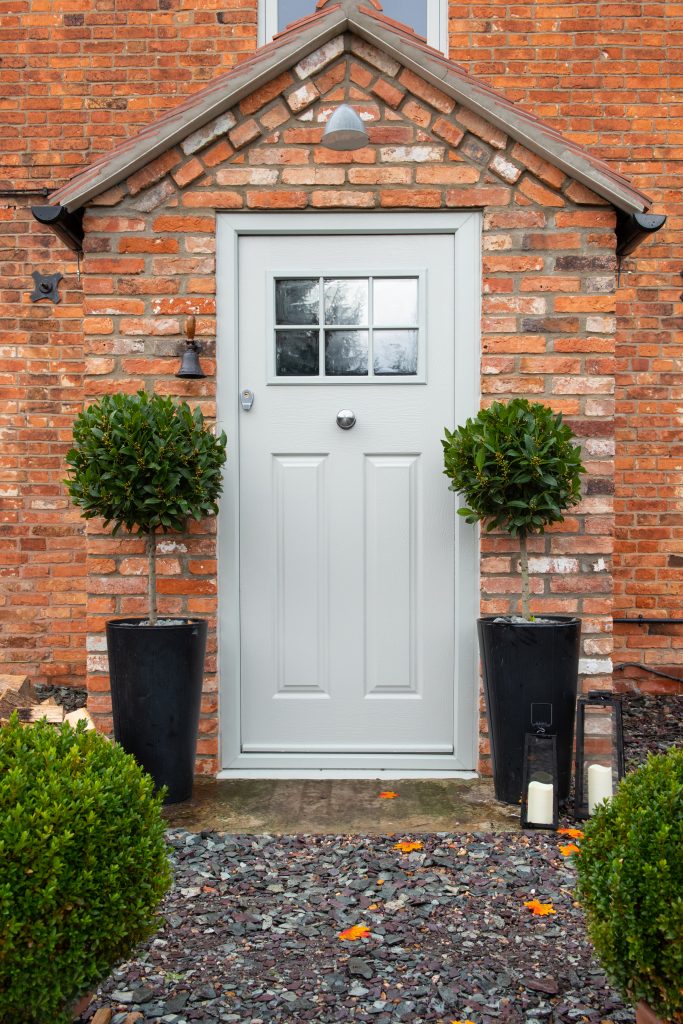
(77, 79)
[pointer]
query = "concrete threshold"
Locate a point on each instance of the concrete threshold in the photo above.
(342, 807)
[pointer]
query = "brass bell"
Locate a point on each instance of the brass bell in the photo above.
(190, 367)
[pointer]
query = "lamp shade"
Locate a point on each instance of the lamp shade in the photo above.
(345, 130)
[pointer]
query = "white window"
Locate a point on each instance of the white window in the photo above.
(428, 17)
(325, 329)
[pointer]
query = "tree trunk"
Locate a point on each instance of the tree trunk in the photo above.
(152, 556)
(526, 611)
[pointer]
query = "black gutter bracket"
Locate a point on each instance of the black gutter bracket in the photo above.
(67, 226)
(633, 228)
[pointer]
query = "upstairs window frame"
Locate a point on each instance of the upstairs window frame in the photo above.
(437, 22)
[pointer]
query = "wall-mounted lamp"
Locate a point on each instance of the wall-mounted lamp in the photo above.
(344, 130)
(190, 368)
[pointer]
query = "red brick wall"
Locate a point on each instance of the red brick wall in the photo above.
(75, 76)
(609, 75)
(548, 325)
(42, 556)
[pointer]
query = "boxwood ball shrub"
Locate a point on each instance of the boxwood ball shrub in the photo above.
(518, 467)
(83, 866)
(630, 883)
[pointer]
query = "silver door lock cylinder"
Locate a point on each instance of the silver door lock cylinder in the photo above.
(246, 399)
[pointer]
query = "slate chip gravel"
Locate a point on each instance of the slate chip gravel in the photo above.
(251, 927)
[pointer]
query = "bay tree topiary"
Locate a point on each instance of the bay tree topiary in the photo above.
(518, 468)
(83, 865)
(630, 884)
(145, 463)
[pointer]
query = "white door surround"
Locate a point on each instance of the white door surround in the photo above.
(289, 705)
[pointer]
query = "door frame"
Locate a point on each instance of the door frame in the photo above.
(466, 231)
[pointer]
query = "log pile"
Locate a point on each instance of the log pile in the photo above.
(17, 693)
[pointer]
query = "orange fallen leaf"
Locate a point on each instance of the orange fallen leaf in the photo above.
(540, 909)
(569, 849)
(388, 795)
(358, 931)
(380, 881)
(573, 833)
(407, 847)
(462, 1022)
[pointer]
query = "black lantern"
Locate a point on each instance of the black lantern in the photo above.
(539, 782)
(190, 368)
(599, 750)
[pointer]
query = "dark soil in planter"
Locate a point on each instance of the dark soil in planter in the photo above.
(252, 923)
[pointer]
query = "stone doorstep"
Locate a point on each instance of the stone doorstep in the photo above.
(342, 806)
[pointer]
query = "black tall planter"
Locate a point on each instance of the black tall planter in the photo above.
(530, 678)
(156, 677)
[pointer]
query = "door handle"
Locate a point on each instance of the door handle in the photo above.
(346, 419)
(246, 399)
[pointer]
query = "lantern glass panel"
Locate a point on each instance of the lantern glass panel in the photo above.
(539, 787)
(599, 749)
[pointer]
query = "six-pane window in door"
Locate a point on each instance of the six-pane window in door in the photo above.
(347, 327)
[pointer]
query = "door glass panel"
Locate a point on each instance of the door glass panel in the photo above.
(297, 301)
(346, 301)
(410, 12)
(395, 353)
(395, 301)
(346, 353)
(296, 353)
(361, 327)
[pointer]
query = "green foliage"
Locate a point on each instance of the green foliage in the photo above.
(83, 865)
(516, 466)
(145, 463)
(631, 884)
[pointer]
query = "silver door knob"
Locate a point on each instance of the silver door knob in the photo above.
(346, 419)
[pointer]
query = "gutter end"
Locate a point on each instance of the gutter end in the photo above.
(67, 226)
(634, 228)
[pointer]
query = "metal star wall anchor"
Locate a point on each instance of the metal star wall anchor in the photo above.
(46, 287)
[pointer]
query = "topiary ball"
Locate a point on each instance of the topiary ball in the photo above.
(144, 462)
(83, 865)
(517, 466)
(630, 883)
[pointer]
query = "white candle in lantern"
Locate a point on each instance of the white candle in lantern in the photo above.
(599, 785)
(539, 804)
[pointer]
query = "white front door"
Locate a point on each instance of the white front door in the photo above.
(348, 546)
